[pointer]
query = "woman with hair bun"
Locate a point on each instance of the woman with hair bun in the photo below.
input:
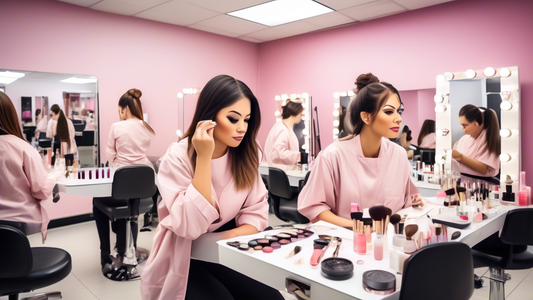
(281, 146)
(361, 81)
(365, 167)
(478, 151)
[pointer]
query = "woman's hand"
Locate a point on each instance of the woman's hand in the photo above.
(417, 201)
(202, 140)
(458, 156)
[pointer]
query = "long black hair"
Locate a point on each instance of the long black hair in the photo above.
(132, 99)
(488, 118)
(221, 92)
(62, 125)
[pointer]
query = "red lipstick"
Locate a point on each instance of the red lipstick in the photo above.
(238, 138)
(395, 129)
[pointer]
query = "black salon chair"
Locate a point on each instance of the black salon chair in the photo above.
(132, 191)
(441, 271)
(427, 156)
(517, 234)
(284, 197)
(24, 268)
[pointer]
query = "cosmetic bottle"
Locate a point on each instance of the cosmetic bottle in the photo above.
(379, 242)
(508, 196)
(354, 208)
(75, 169)
(410, 244)
(522, 194)
(361, 243)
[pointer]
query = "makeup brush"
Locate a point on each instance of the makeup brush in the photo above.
(395, 219)
(294, 251)
(354, 208)
(320, 247)
(336, 252)
(388, 213)
(410, 245)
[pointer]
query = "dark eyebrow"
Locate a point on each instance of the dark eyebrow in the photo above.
(389, 105)
(238, 113)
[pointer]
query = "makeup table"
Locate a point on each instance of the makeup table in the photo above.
(100, 187)
(427, 189)
(273, 268)
(294, 175)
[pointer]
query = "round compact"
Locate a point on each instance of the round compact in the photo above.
(379, 282)
(243, 246)
(336, 268)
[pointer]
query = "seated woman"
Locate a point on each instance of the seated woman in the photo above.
(404, 139)
(478, 151)
(206, 180)
(42, 123)
(364, 168)
(25, 182)
(128, 142)
(427, 138)
(281, 146)
(62, 127)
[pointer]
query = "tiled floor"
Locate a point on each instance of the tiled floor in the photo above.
(86, 281)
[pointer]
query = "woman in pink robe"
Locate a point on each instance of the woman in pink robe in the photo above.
(426, 137)
(478, 151)
(25, 183)
(281, 146)
(206, 180)
(364, 168)
(66, 131)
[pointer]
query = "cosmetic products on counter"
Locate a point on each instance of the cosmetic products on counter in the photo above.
(508, 197)
(379, 282)
(337, 268)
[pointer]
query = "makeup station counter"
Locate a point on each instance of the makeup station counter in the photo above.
(427, 189)
(294, 175)
(274, 268)
(91, 185)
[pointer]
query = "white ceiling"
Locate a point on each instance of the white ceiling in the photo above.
(209, 15)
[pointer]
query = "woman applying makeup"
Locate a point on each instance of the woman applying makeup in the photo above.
(478, 151)
(206, 180)
(364, 168)
(25, 182)
(127, 144)
(62, 127)
(281, 146)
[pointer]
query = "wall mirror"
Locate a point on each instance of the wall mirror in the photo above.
(187, 100)
(496, 88)
(76, 95)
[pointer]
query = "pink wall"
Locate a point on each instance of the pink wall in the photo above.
(410, 113)
(409, 50)
(123, 52)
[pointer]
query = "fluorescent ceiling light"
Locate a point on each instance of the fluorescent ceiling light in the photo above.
(7, 80)
(7, 77)
(279, 12)
(79, 80)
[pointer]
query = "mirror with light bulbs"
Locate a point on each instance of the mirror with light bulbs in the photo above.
(340, 110)
(497, 88)
(303, 130)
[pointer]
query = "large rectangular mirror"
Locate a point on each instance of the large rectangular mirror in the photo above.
(34, 93)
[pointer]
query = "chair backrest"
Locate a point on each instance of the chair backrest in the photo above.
(518, 227)
(133, 182)
(441, 271)
(16, 259)
(279, 183)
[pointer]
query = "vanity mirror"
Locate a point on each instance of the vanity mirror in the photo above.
(76, 95)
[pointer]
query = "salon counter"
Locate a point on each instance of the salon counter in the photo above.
(294, 175)
(100, 187)
(427, 189)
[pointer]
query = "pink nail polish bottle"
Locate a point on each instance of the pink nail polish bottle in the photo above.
(90, 174)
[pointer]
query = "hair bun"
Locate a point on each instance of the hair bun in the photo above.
(364, 80)
(135, 93)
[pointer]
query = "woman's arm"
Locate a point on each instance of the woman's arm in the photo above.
(204, 144)
(332, 218)
(470, 162)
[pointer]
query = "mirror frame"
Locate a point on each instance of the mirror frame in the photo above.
(307, 115)
(336, 115)
(510, 118)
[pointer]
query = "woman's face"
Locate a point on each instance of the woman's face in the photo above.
(387, 121)
(54, 116)
(471, 128)
(232, 123)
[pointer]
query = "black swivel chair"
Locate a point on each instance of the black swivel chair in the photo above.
(24, 268)
(132, 191)
(441, 271)
(517, 232)
(284, 197)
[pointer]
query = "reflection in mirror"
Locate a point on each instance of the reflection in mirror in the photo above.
(33, 93)
(493, 88)
(187, 100)
(341, 123)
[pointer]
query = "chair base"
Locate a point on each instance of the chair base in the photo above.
(497, 283)
(42, 296)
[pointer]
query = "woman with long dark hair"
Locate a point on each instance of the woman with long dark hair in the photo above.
(364, 168)
(207, 179)
(281, 146)
(24, 182)
(61, 126)
(427, 137)
(478, 151)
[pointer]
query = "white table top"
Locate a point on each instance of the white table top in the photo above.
(294, 175)
(100, 187)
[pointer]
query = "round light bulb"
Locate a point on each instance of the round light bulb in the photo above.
(506, 95)
(506, 105)
(442, 132)
(293, 96)
(336, 113)
(284, 97)
(504, 132)
(470, 73)
(335, 95)
(185, 91)
(305, 131)
(277, 113)
(304, 104)
(336, 131)
(336, 105)
(489, 72)
(438, 98)
(440, 109)
(505, 157)
(305, 95)
(504, 72)
(336, 123)
(441, 78)
(277, 98)
(179, 133)
(180, 95)
(448, 76)
(335, 137)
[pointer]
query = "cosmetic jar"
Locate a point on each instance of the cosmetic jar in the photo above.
(379, 282)
(337, 268)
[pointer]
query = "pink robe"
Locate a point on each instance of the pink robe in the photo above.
(342, 175)
(24, 184)
(185, 215)
(475, 149)
(51, 131)
(128, 143)
(429, 141)
(281, 146)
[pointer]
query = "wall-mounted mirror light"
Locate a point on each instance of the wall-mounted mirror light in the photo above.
(340, 109)
(442, 132)
(505, 72)
(504, 132)
(470, 73)
(505, 157)
(440, 108)
(302, 129)
(438, 98)
(489, 72)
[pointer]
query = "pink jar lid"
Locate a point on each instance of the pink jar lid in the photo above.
(441, 194)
